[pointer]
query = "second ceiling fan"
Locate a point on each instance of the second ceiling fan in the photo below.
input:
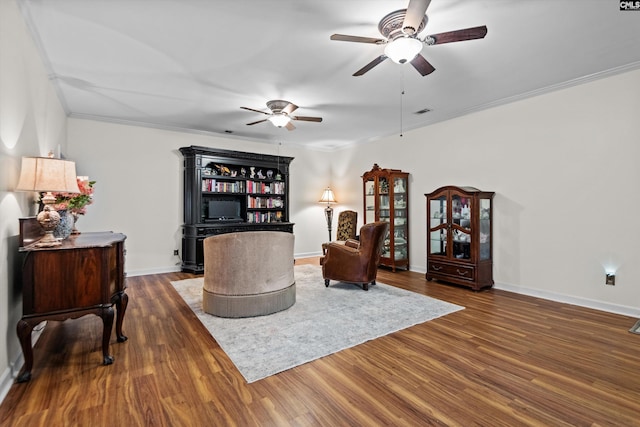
(401, 29)
(280, 115)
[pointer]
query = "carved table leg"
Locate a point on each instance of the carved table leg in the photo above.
(24, 335)
(121, 306)
(107, 319)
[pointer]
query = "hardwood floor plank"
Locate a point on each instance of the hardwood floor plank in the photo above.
(505, 360)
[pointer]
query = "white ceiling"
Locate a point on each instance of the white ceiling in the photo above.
(191, 64)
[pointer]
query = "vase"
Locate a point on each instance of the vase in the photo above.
(64, 227)
(75, 216)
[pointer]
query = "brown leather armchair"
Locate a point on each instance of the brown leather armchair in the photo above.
(355, 261)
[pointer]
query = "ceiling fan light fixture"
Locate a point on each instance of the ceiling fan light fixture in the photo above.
(403, 49)
(279, 120)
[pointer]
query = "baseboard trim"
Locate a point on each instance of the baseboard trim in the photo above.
(144, 272)
(568, 299)
(557, 297)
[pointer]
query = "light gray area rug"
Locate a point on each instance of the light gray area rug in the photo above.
(322, 321)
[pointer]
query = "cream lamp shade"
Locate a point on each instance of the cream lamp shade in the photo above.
(328, 197)
(48, 174)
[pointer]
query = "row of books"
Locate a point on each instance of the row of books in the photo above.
(261, 217)
(265, 188)
(211, 185)
(214, 186)
(264, 202)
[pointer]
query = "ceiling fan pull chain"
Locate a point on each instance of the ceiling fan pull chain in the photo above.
(401, 98)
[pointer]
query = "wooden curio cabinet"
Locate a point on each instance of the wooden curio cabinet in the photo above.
(386, 198)
(459, 236)
(229, 191)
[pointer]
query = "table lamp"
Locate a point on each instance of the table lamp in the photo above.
(48, 174)
(328, 198)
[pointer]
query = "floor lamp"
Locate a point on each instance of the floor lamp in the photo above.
(328, 198)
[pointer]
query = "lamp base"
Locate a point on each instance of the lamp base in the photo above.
(48, 219)
(328, 213)
(48, 241)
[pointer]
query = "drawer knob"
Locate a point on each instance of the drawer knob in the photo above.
(462, 273)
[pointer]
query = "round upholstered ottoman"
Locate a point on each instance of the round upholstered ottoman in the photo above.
(248, 273)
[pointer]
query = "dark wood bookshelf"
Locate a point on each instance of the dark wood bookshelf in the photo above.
(228, 191)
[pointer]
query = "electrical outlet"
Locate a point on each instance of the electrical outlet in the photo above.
(610, 279)
(175, 252)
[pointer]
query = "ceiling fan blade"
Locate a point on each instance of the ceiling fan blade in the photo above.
(357, 39)
(306, 118)
(370, 65)
(290, 126)
(257, 111)
(255, 123)
(422, 65)
(458, 35)
(415, 12)
(290, 108)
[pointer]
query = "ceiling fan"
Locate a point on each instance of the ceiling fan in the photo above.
(280, 115)
(401, 29)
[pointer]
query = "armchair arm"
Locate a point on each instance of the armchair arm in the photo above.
(352, 243)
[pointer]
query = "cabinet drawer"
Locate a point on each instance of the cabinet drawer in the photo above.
(457, 271)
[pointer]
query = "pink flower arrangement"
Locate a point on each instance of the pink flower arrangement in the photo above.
(76, 203)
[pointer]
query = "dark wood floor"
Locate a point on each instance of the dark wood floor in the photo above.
(506, 360)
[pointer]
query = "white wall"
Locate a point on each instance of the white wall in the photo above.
(564, 169)
(139, 187)
(32, 123)
(562, 166)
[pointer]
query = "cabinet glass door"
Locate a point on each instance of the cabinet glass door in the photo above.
(400, 218)
(485, 229)
(384, 212)
(461, 226)
(369, 202)
(438, 225)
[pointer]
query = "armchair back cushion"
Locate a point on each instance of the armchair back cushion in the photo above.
(248, 273)
(347, 223)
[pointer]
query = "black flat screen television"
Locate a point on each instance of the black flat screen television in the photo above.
(224, 210)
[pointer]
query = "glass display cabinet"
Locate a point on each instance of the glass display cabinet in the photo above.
(459, 236)
(386, 198)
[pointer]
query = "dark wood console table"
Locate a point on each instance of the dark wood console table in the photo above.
(85, 275)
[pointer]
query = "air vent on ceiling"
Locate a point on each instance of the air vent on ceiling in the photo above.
(424, 110)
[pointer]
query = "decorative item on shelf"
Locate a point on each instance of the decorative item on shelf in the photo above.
(328, 198)
(47, 175)
(384, 186)
(75, 204)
